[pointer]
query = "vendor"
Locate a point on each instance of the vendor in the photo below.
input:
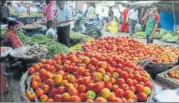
(63, 21)
(152, 19)
(10, 37)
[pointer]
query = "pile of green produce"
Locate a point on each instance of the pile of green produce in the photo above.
(77, 36)
(170, 37)
(39, 38)
(56, 48)
(2, 32)
(25, 39)
(140, 35)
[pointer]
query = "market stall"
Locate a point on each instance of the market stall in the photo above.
(106, 69)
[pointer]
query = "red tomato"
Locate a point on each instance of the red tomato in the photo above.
(139, 88)
(120, 81)
(119, 92)
(148, 84)
(124, 75)
(138, 77)
(124, 86)
(130, 82)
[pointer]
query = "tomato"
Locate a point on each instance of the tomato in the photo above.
(82, 88)
(120, 81)
(148, 84)
(130, 82)
(139, 88)
(108, 85)
(124, 75)
(138, 77)
(119, 92)
(142, 97)
(132, 88)
(124, 86)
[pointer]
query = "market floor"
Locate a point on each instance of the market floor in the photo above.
(14, 94)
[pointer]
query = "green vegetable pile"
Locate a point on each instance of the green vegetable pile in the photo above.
(140, 35)
(170, 37)
(2, 32)
(56, 48)
(25, 39)
(39, 38)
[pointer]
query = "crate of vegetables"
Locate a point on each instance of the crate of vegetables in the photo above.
(170, 77)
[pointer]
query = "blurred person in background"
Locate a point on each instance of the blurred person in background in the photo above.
(10, 37)
(133, 19)
(91, 13)
(110, 13)
(151, 18)
(124, 26)
(4, 12)
(49, 12)
(20, 8)
(10, 9)
(63, 21)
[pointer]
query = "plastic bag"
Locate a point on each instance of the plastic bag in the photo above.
(138, 27)
(51, 33)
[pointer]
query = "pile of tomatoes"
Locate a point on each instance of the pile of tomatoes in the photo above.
(88, 77)
(123, 46)
(174, 73)
(133, 49)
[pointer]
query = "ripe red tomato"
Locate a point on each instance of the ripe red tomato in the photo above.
(130, 82)
(138, 77)
(124, 75)
(119, 92)
(148, 84)
(124, 86)
(142, 97)
(139, 88)
(120, 81)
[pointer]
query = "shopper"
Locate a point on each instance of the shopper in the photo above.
(152, 17)
(4, 12)
(124, 26)
(49, 12)
(10, 37)
(91, 14)
(133, 19)
(63, 21)
(110, 13)
(10, 9)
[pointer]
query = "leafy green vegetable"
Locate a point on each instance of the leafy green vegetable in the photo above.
(23, 37)
(56, 48)
(77, 36)
(38, 38)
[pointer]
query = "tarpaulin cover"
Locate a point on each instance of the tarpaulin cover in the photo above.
(167, 20)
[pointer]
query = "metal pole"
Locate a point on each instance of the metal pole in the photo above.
(174, 16)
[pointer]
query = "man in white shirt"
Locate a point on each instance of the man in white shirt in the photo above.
(91, 14)
(133, 19)
(63, 18)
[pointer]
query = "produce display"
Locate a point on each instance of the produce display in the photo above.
(140, 35)
(39, 38)
(173, 74)
(25, 39)
(77, 47)
(77, 36)
(32, 26)
(87, 77)
(170, 37)
(122, 46)
(31, 51)
(132, 49)
(56, 48)
(2, 32)
(163, 54)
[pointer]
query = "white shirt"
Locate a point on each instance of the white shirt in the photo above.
(63, 15)
(133, 15)
(91, 13)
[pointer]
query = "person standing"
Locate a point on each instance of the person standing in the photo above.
(4, 12)
(11, 9)
(133, 19)
(49, 12)
(124, 26)
(110, 13)
(152, 19)
(91, 13)
(63, 21)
